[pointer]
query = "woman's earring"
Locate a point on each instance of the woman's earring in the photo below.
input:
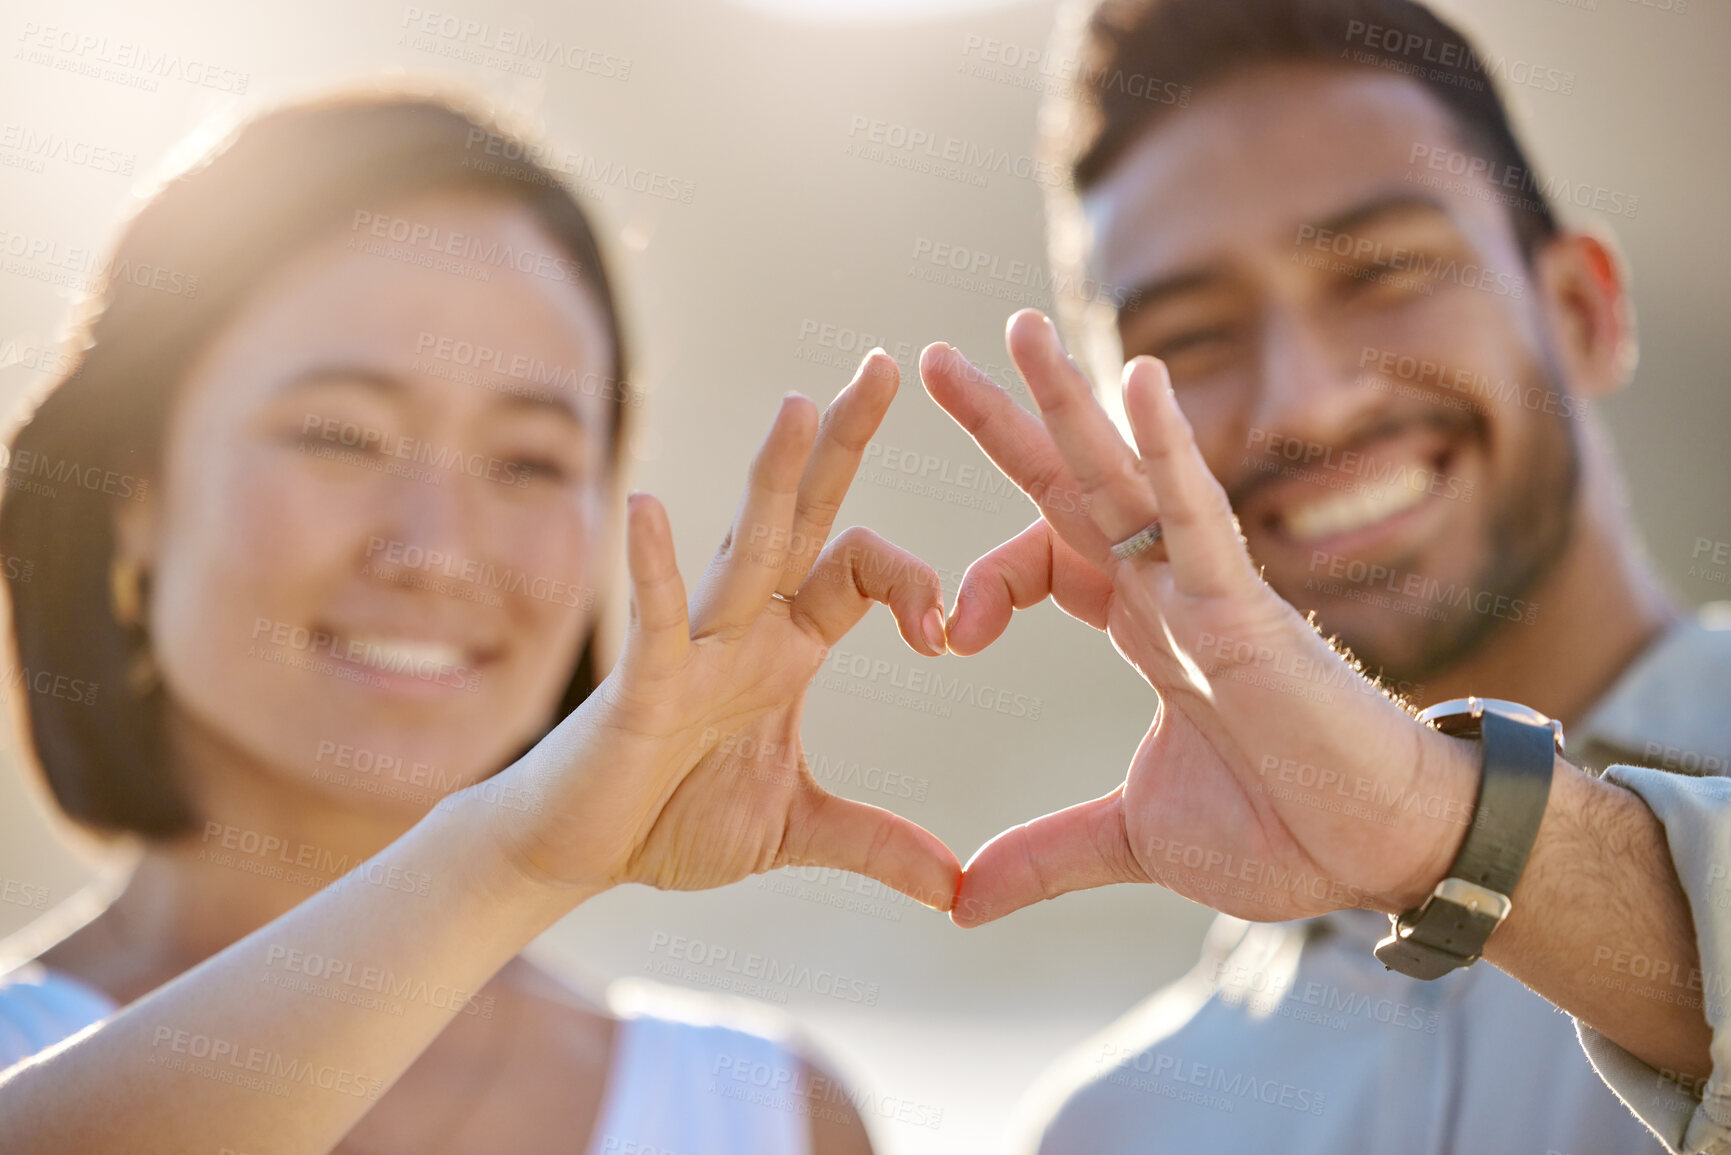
(141, 672)
(126, 591)
(125, 577)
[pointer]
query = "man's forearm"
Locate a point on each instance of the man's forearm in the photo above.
(1601, 927)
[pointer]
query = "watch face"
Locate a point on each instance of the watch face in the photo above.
(1461, 717)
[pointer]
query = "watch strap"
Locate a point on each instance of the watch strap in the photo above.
(1518, 758)
(1450, 930)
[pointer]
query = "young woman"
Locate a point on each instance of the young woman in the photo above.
(317, 521)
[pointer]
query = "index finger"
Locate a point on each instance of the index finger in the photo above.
(1023, 572)
(1206, 549)
(842, 436)
(748, 566)
(1017, 442)
(1119, 498)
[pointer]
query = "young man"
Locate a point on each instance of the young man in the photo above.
(1386, 343)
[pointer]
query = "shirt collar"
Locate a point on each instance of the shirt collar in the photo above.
(1672, 706)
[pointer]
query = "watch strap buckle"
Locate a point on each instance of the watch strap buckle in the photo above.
(1424, 942)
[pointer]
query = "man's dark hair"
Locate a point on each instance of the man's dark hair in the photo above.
(1140, 61)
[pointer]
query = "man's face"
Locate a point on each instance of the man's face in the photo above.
(1355, 337)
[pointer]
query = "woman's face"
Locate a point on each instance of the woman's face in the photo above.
(373, 550)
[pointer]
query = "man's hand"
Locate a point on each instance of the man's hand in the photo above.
(1275, 781)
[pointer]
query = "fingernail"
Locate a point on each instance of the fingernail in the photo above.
(934, 627)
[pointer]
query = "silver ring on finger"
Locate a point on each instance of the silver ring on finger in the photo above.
(1145, 538)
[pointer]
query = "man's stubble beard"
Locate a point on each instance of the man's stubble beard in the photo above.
(1530, 528)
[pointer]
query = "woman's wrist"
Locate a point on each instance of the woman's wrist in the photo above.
(495, 840)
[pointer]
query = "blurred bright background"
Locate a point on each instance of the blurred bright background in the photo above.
(791, 257)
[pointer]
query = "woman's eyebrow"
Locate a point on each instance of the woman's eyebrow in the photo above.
(394, 387)
(541, 401)
(369, 379)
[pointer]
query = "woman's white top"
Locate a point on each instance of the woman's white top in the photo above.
(691, 1074)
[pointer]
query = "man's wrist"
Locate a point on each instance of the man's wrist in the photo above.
(1451, 770)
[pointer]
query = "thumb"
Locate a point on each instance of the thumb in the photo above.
(828, 830)
(659, 631)
(1077, 848)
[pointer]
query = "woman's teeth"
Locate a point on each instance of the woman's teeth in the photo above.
(402, 653)
(1352, 511)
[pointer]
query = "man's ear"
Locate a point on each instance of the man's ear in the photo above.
(1585, 294)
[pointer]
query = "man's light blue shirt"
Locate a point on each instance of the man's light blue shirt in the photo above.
(1291, 1037)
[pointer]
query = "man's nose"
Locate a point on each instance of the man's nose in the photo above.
(1310, 386)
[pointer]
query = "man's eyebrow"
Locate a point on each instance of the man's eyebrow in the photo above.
(1151, 293)
(1390, 206)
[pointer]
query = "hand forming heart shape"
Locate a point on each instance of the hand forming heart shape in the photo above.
(1245, 683)
(691, 774)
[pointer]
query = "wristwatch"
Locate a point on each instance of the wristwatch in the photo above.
(1450, 928)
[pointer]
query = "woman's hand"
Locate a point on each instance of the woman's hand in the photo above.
(684, 770)
(1275, 781)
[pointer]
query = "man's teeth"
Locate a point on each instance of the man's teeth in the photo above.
(401, 653)
(1335, 515)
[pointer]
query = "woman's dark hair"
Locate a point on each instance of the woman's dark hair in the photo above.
(182, 267)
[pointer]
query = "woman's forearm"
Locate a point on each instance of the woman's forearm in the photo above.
(237, 1053)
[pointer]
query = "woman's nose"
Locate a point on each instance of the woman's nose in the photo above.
(427, 510)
